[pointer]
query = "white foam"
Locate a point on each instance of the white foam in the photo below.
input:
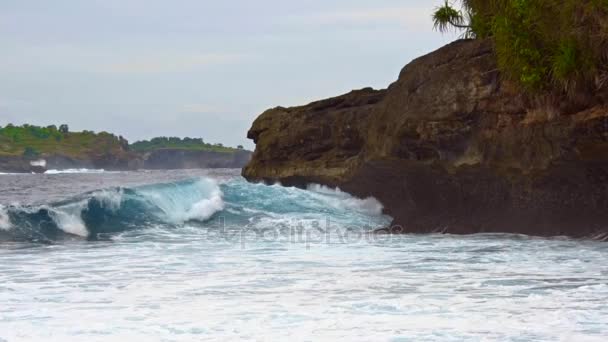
(110, 199)
(38, 163)
(342, 200)
(203, 210)
(181, 203)
(56, 172)
(69, 220)
(213, 202)
(5, 221)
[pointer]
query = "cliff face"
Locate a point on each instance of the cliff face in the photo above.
(185, 159)
(163, 159)
(449, 148)
(122, 160)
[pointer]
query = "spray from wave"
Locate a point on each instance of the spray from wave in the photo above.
(342, 200)
(5, 223)
(182, 202)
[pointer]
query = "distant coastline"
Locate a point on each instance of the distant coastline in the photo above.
(30, 148)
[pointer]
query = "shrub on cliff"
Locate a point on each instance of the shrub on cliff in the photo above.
(31, 153)
(193, 144)
(29, 141)
(543, 45)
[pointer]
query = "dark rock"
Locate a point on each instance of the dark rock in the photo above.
(162, 159)
(168, 159)
(450, 148)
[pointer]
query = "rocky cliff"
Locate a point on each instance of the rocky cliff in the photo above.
(162, 159)
(450, 148)
(187, 159)
(122, 160)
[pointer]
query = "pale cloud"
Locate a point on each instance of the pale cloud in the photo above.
(7, 117)
(134, 60)
(7, 106)
(410, 17)
(201, 109)
(166, 64)
(206, 68)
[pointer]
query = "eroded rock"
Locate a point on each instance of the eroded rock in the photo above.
(448, 147)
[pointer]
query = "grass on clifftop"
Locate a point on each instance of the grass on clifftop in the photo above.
(34, 141)
(190, 144)
(543, 45)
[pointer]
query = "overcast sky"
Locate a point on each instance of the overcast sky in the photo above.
(198, 68)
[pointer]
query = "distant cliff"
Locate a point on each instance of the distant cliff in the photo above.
(188, 153)
(31, 148)
(37, 149)
(449, 147)
(165, 159)
(191, 159)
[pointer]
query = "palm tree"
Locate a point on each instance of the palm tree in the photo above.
(447, 17)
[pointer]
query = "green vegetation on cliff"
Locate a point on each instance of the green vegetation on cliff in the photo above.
(543, 45)
(190, 144)
(32, 141)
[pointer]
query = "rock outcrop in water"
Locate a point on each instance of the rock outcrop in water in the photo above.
(450, 148)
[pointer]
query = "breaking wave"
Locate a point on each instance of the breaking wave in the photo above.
(5, 223)
(193, 203)
(113, 210)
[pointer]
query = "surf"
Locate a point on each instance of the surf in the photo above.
(64, 171)
(112, 210)
(194, 203)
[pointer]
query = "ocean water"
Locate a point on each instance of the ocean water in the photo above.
(204, 255)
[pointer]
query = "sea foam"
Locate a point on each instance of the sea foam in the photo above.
(69, 219)
(178, 203)
(342, 200)
(116, 210)
(5, 222)
(56, 172)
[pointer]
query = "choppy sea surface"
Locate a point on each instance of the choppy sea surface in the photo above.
(204, 255)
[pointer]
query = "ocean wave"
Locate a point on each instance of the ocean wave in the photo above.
(56, 172)
(193, 203)
(185, 201)
(342, 200)
(113, 210)
(275, 206)
(5, 223)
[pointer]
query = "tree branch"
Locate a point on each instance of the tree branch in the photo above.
(459, 25)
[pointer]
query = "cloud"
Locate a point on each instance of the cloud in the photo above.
(111, 60)
(410, 17)
(8, 108)
(165, 64)
(201, 109)
(150, 67)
